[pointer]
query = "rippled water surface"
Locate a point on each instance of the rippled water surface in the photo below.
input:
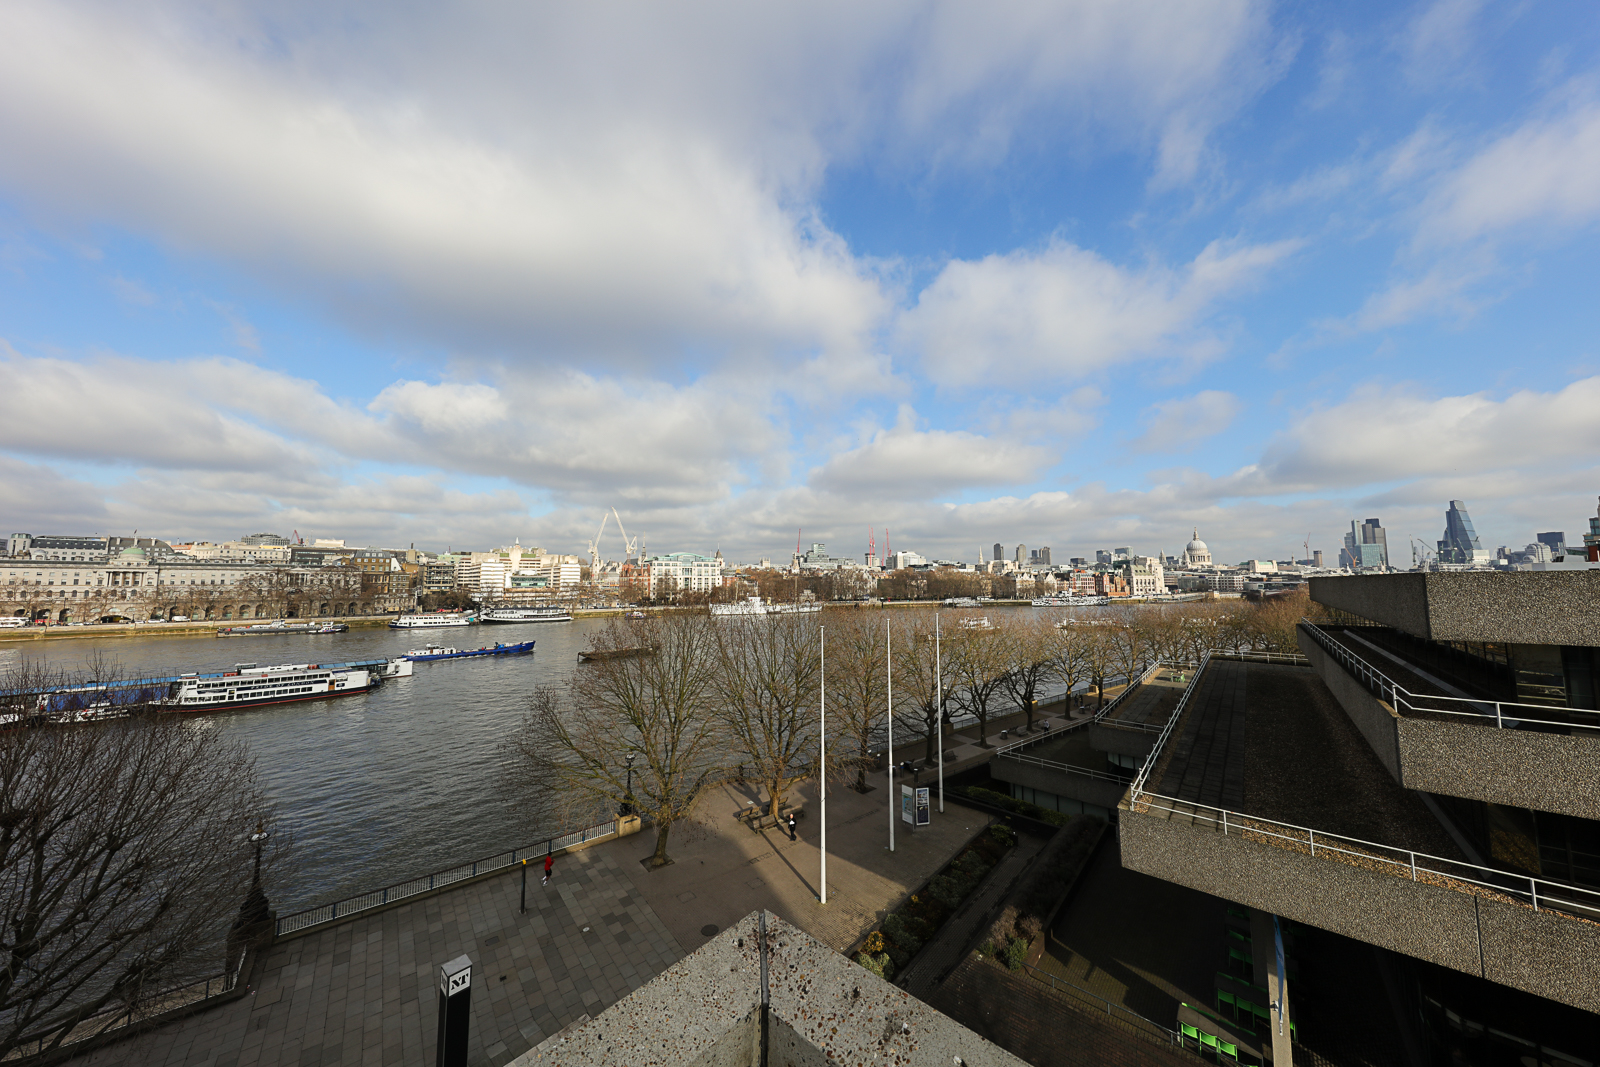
(383, 785)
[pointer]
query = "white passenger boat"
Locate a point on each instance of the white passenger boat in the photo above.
(432, 619)
(537, 613)
(756, 606)
(248, 686)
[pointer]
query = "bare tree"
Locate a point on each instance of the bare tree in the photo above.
(1030, 649)
(1131, 646)
(979, 667)
(124, 853)
(857, 696)
(649, 695)
(766, 683)
(923, 675)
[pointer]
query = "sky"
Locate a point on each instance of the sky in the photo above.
(1078, 273)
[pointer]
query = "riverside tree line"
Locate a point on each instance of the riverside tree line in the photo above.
(673, 705)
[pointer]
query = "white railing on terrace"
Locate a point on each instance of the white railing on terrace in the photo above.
(1172, 720)
(1543, 894)
(340, 909)
(1502, 714)
(1017, 746)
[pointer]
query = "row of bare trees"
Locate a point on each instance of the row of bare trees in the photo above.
(125, 859)
(671, 705)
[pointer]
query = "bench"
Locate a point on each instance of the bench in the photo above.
(758, 818)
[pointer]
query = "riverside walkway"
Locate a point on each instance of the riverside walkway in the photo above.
(363, 992)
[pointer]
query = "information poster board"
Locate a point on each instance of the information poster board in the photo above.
(907, 805)
(924, 811)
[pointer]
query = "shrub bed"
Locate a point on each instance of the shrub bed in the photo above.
(887, 950)
(1022, 920)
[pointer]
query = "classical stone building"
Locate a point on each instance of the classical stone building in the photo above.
(133, 585)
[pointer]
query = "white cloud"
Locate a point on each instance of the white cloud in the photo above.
(1383, 435)
(1064, 312)
(901, 462)
(526, 179)
(1540, 175)
(1187, 421)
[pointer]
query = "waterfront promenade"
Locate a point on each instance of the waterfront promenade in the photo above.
(363, 992)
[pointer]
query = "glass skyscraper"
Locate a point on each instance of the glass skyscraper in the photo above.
(1460, 541)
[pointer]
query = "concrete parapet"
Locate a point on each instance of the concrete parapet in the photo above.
(1375, 719)
(1521, 768)
(705, 1011)
(1547, 954)
(1526, 607)
(1123, 740)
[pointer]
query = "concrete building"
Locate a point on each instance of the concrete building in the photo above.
(999, 551)
(58, 547)
(238, 551)
(138, 586)
(1421, 780)
(1366, 547)
(265, 539)
(686, 572)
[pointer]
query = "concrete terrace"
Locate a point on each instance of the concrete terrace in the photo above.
(363, 992)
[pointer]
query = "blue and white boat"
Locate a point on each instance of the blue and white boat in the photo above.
(432, 652)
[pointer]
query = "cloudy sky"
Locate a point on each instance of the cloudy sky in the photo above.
(1069, 273)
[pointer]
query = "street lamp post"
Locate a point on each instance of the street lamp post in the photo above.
(259, 840)
(627, 800)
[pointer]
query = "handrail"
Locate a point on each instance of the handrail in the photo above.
(324, 913)
(1059, 730)
(1400, 697)
(1166, 732)
(1540, 892)
(1071, 768)
(1171, 1035)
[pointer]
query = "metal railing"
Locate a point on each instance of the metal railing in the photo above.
(349, 906)
(1543, 894)
(169, 1000)
(1069, 768)
(1166, 731)
(1400, 698)
(1017, 746)
(1113, 1010)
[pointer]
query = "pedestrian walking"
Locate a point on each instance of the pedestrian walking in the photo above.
(791, 826)
(549, 862)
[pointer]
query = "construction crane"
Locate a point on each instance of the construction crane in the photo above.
(629, 547)
(594, 545)
(1419, 560)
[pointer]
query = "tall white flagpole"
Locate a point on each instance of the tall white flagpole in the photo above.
(822, 766)
(938, 715)
(894, 801)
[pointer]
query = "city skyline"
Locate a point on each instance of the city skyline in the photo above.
(1082, 276)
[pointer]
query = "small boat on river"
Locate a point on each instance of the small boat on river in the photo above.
(433, 652)
(272, 629)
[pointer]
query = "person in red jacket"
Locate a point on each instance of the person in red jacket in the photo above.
(549, 862)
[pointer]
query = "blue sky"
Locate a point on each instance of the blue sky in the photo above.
(1076, 274)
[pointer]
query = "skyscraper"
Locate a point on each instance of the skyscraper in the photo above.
(1460, 541)
(999, 552)
(1366, 546)
(1556, 539)
(1044, 555)
(1022, 554)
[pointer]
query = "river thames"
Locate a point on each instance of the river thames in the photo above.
(383, 785)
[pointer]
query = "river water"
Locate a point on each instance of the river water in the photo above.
(379, 786)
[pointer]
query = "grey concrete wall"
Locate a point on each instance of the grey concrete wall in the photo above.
(1121, 740)
(1076, 786)
(1528, 607)
(704, 1011)
(1521, 768)
(1375, 720)
(1541, 953)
